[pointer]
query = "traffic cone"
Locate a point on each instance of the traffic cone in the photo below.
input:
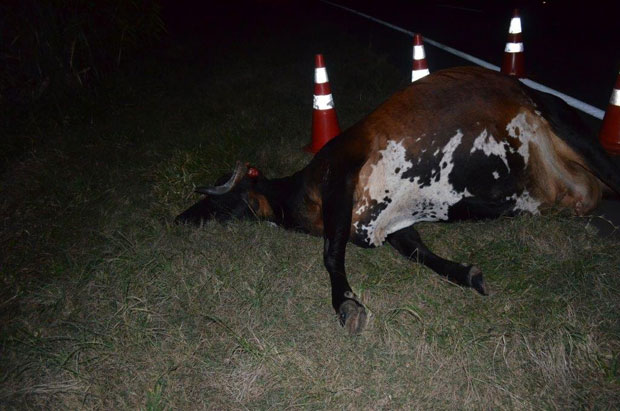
(610, 130)
(513, 63)
(324, 120)
(420, 67)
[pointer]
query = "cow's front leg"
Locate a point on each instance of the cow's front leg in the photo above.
(350, 310)
(337, 206)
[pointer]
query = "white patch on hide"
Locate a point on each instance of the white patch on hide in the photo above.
(496, 175)
(525, 202)
(536, 131)
(361, 209)
(428, 202)
(486, 143)
(526, 132)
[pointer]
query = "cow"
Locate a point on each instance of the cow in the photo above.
(461, 143)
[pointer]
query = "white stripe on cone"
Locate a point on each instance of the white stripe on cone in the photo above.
(418, 74)
(615, 97)
(514, 48)
(515, 25)
(323, 102)
(418, 53)
(320, 75)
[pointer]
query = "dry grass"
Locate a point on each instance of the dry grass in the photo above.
(106, 304)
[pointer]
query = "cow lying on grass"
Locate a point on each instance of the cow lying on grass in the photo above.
(462, 143)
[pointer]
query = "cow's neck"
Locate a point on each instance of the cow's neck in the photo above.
(282, 194)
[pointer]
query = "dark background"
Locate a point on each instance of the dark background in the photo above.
(570, 47)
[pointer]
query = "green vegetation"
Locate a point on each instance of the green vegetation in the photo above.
(106, 304)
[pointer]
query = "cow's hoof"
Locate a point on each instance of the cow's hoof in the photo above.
(476, 281)
(352, 315)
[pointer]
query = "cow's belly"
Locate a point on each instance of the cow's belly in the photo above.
(395, 196)
(388, 217)
(396, 190)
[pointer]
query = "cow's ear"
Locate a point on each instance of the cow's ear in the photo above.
(260, 205)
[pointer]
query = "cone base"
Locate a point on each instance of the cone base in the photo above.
(611, 143)
(609, 136)
(309, 148)
(324, 128)
(613, 150)
(513, 64)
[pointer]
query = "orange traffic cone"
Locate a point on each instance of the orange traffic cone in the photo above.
(513, 63)
(324, 120)
(420, 67)
(610, 130)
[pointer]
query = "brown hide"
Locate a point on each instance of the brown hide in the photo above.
(428, 113)
(260, 205)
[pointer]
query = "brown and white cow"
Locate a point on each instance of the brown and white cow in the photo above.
(462, 143)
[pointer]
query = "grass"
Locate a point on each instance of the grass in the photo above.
(106, 304)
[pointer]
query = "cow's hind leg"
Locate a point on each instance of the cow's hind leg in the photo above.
(408, 243)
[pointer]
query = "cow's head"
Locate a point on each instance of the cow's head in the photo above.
(236, 195)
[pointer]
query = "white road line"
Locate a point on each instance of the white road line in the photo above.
(571, 101)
